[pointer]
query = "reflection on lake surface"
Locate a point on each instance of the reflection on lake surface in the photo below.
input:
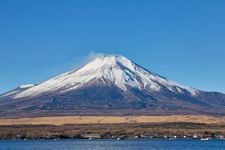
(159, 144)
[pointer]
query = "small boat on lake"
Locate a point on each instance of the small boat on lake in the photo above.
(204, 139)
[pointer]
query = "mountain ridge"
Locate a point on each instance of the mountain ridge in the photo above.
(111, 84)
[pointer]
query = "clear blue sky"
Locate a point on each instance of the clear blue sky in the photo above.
(183, 40)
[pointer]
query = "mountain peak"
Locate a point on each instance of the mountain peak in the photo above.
(110, 60)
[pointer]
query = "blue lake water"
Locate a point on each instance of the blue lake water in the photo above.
(159, 144)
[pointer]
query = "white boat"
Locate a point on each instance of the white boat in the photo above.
(204, 139)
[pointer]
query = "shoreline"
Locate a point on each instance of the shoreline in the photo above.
(115, 131)
(115, 139)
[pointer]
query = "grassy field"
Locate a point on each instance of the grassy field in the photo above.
(61, 120)
(112, 126)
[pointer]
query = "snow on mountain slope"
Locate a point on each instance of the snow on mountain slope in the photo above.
(17, 90)
(26, 86)
(107, 68)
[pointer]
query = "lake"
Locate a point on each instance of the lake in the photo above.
(152, 144)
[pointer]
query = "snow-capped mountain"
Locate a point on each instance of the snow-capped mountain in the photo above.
(108, 68)
(113, 85)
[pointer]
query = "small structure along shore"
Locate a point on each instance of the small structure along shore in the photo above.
(115, 131)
